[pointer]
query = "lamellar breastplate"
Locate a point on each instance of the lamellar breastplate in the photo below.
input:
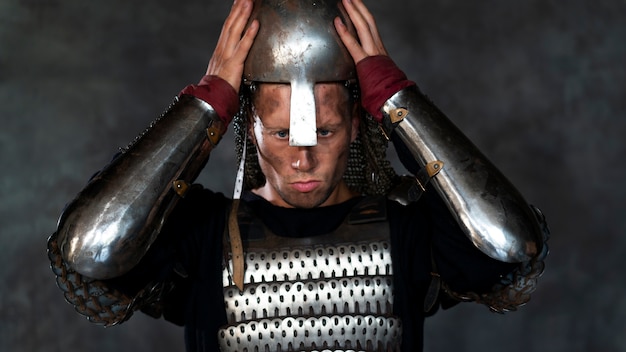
(332, 292)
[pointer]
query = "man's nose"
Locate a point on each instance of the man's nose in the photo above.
(303, 159)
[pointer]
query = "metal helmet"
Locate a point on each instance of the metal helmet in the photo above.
(297, 44)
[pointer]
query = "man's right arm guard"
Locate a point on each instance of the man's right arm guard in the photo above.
(488, 208)
(110, 225)
(106, 230)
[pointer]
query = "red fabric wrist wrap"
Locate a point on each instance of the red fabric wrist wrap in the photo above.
(218, 93)
(379, 78)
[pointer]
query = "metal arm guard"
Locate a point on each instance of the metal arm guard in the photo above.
(110, 225)
(489, 209)
(514, 289)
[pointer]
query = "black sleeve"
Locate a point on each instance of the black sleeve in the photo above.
(175, 255)
(428, 239)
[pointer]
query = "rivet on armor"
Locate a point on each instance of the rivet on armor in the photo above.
(434, 167)
(398, 114)
(180, 187)
(213, 133)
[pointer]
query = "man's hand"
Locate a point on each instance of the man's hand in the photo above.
(366, 29)
(232, 48)
(379, 77)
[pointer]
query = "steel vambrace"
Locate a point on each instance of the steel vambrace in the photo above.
(490, 210)
(112, 222)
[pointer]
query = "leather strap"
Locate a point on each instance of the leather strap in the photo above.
(236, 247)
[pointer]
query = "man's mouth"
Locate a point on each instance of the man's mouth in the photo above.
(305, 186)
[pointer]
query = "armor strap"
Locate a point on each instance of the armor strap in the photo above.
(234, 234)
(410, 189)
(435, 285)
(236, 246)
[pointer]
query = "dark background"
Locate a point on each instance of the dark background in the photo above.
(538, 85)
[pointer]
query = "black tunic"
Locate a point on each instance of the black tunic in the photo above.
(189, 252)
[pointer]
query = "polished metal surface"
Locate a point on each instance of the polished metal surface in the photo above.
(350, 278)
(514, 290)
(110, 225)
(491, 211)
(332, 333)
(347, 295)
(297, 44)
(316, 262)
(310, 294)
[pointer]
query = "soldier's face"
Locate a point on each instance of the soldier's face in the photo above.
(303, 177)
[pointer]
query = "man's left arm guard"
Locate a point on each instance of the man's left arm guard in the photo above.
(487, 207)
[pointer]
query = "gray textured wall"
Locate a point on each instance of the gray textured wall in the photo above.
(539, 85)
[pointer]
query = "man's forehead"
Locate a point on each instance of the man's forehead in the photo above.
(323, 90)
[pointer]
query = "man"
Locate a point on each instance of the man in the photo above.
(323, 246)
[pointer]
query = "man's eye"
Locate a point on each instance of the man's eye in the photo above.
(282, 134)
(323, 133)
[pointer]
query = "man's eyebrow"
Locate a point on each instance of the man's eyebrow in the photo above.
(330, 125)
(275, 127)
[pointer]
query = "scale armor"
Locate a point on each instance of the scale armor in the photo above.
(329, 292)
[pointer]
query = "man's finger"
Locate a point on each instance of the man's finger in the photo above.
(349, 41)
(242, 49)
(365, 26)
(234, 26)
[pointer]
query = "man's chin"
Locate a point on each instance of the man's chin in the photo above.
(306, 200)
